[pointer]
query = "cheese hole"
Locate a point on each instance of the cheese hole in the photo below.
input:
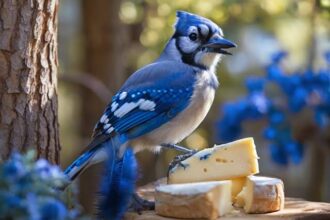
(220, 160)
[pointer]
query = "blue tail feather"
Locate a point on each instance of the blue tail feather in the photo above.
(79, 164)
(90, 156)
(118, 185)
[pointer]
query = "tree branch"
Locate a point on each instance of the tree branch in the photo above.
(90, 82)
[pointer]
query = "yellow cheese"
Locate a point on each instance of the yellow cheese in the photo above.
(222, 162)
(194, 200)
(237, 186)
(261, 195)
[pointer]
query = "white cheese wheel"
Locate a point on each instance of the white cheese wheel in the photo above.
(261, 195)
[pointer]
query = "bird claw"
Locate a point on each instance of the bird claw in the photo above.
(138, 204)
(179, 158)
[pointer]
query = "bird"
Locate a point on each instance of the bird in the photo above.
(163, 102)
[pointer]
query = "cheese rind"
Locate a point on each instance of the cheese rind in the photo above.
(261, 195)
(222, 162)
(194, 200)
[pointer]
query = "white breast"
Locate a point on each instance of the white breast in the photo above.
(185, 122)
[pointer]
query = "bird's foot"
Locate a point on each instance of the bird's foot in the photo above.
(179, 158)
(138, 204)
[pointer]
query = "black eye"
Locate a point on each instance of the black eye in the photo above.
(193, 36)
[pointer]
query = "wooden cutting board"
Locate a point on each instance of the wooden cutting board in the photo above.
(294, 209)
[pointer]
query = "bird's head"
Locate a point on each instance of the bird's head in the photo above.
(197, 41)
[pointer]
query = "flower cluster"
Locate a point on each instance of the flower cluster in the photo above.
(29, 190)
(302, 90)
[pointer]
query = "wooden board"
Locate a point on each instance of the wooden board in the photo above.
(294, 209)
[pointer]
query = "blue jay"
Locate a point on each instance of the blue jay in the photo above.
(163, 102)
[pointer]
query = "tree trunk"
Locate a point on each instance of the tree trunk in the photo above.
(105, 40)
(105, 43)
(28, 77)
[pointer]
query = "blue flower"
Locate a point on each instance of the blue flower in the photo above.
(10, 204)
(294, 151)
(321, 117)
(42, 167)
(259, 104)
(276, 117)
(32, 206)
(53, 210)
(13, 169)
(298, 99)
(274, 72)
(49, 172)
(255, 84)
(279, 56)
(10, 200)
(28, 189)
(327, 56)
(323, 79)
(270, 133)
(278, 154)
(307, 89)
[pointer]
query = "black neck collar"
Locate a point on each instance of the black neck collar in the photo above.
(187, 58)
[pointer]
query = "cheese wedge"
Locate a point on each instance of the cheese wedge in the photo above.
(237, 186)
(194, 200)
(222, 162)
(261, 195)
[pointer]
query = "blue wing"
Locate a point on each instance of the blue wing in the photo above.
(150, 97)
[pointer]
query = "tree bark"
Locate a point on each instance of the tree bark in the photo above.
(28, 77)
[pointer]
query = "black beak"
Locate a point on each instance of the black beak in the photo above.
(218, 44)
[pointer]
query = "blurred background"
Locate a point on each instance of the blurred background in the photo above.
(275, 88)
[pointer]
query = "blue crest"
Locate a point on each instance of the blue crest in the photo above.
(186, 19)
